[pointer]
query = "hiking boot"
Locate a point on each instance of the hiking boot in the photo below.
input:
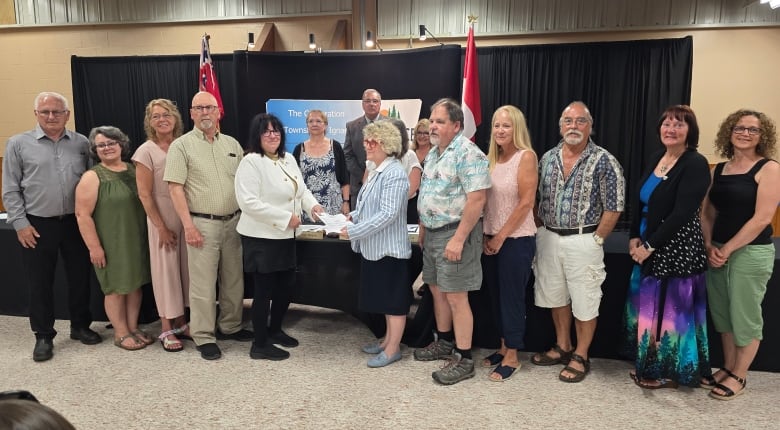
(456, 370)
(436, 350)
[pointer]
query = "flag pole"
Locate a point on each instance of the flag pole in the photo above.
(470, 102)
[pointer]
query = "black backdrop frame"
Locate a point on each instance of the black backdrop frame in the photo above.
(625, 84)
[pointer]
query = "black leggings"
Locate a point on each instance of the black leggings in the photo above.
(273, 288)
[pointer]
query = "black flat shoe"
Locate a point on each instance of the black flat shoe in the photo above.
(242, 335)
(268, 352)
(85, 335)
(44, 350)
(209, 351)
(282, 338)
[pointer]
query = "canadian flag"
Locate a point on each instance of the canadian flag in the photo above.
(208, 79)
(472, 111)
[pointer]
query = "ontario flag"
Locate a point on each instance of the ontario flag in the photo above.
(208, 79)
(472, 110)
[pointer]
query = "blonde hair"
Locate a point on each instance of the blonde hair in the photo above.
(425, 122)
(168, 105)
(388, 136)
(521, 139)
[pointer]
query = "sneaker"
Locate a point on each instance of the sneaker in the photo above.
(436, 350)
(268, 352)
(456, 370)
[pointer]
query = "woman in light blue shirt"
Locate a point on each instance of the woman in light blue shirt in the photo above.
(379, 235)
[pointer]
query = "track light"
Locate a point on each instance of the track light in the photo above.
(312, 43)
(369, 40)
(251, 43)
(424, 30)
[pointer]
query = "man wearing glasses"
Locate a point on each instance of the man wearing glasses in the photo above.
(582, 193)
(41, 169)
(354, 152)
(200, 170)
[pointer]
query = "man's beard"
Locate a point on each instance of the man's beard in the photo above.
(573, 137)
(206, 124)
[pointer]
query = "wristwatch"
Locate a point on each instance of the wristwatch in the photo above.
(599, 240)
(647, 246)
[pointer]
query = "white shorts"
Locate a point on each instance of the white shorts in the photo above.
(569, 269)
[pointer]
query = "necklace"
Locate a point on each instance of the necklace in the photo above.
(663, 168)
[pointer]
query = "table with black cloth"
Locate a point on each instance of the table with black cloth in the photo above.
(328, 275)
(15, 297)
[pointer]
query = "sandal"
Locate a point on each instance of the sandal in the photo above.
(142, 336)
(181, 332)
(579, 375)
(120, 343)
(709, 382)
(169, 345)
(505, 372)
(729, 393)
(492, 359)
(544, 359)
(652, 384)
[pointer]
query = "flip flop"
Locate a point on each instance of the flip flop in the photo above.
(505, 372)
(492, 359)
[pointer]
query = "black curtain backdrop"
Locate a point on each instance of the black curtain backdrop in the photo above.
(626, 85)
(428, 74)
(115, 90)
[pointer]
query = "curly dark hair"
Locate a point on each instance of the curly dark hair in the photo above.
(766, 143)
(112, 133)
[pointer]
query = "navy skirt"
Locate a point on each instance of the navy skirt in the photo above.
(384, 286)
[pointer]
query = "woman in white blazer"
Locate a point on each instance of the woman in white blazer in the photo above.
(379, 235)
(272, 196)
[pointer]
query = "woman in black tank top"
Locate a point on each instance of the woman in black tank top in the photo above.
(736, 221)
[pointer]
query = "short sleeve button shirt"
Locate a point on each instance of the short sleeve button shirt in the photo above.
(461, 169)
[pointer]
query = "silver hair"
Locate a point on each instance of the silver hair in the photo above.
(39, 98)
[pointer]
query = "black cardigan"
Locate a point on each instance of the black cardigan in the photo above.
(342, 176)
(675, 200)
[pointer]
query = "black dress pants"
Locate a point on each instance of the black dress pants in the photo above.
(57, 235)
(273, 287)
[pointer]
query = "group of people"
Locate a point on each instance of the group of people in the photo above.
(198, 209)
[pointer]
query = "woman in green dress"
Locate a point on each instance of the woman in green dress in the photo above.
(113, 224)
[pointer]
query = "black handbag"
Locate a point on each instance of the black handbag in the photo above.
(683, 255)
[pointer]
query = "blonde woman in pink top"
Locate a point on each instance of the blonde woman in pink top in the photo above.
(509, 244)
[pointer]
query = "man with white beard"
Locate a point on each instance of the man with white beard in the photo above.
(582, 194)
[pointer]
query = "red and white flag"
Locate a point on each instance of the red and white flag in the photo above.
(472, 110)
(208, 79)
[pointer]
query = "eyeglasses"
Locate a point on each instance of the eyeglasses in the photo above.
(157, 117)
(17, 395)
(206, 109)
(753, 131)
(370, 143)
(56, 113)
(372, 101)
(579, 121)
(269, 133)
(109, 144)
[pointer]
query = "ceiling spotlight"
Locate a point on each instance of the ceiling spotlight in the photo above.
(369, 40)
(422, 32)
(251, 43)
(312, 44)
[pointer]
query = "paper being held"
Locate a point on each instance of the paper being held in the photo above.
(334, 223)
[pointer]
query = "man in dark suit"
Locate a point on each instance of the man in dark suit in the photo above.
(354, 153)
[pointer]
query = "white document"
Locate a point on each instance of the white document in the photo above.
(334, 223)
